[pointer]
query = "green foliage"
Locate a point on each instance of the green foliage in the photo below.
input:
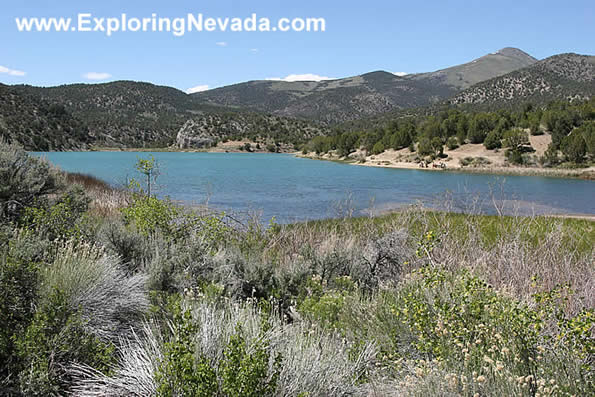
(452, 143)
(517, 141)
(38, 124)
(493, 140)
(55, 338)
(425, 148)
(59, 220)
(150, 214)
(18, 294)
(574, 147)
(150, 169)
(244, 370)
(179, 373)
(588, 132)
(25, 179)
(559, 118)
(458, 319)
(323, 307)
(378, 148)
(480, 125)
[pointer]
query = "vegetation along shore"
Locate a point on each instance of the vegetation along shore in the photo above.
(116, 292)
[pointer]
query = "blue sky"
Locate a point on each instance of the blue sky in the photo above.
(361, 36)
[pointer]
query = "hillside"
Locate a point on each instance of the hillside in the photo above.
(135, 114)
(205, 131)
(565, 76)
(39, 125)
(123, 112)
(335, 101)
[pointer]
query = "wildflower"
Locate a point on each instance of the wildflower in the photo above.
(419, 372)
(499, 366)
(481, 379)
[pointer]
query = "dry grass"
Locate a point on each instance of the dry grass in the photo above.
(106, 200)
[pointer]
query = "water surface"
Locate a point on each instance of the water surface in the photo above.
(292, 188)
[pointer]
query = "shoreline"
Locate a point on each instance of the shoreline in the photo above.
(587, 173)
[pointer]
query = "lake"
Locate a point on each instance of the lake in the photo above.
(294, 189)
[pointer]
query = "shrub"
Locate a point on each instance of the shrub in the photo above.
(126, 243)
(378, 148)
(24, 180)
(574, 147)
(55, 339)
(465, 324)
(18, 294)
(452, 143)
(382, 259)
(493, 140)
(59, 220)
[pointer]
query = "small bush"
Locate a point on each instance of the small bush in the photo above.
(452, 143)
(59, 220)
(493, 140)
(55, 339)
(24, 178)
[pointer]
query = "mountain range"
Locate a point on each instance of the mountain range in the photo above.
(334, 101)
(137, 114)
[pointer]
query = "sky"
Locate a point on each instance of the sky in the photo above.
(360, 36)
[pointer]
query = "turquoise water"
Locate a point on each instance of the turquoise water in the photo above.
(292, 189)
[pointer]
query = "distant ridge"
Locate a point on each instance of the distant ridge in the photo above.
(564, 76)
(335, 101)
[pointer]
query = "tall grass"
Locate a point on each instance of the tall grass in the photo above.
(111, 302)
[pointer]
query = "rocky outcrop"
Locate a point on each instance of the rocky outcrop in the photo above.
(194, 134)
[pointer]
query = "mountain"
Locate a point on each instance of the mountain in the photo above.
(564, 76)
(335, 101)
(488, 66)
(38, 124)
(124, 112)
(127, 114)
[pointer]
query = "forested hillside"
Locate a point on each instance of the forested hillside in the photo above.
(40, 125)
(571, 126)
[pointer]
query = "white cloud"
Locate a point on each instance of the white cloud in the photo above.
(198, 88)
(221, 43)
(254, 50)
(97, 76)
(301, 77)
(11, 72)
(400, 74)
